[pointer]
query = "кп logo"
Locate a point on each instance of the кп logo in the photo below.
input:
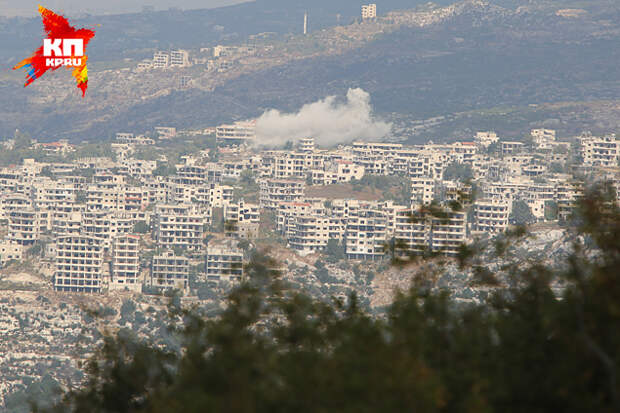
(64, 46)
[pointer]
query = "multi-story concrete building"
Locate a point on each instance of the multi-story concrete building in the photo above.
(365, 234)
(67, 222)
(161, 60)
(47, 193)
(13, 202)
(484, 139)
(105, 226)
(170, 271)
(292, 165)
(10, 251)
(600, 151)
(236, 134)
(416, 233)
(311, 233)
(179, 226)
(242, 219)
(288, 211)
(369, 11)
(25, 225)
(491, 216)
(125, 268)
(224, 263)
(306, 145)
(179, 58)
(422, 191)
(274, 191)
(448, 233)
(337, 172)
(511, 148)
(543, 138)
(79, 264)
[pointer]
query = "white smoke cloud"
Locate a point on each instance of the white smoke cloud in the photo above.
(327, 121)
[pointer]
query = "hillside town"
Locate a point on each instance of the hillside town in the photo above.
(123, 222)
(116, 228)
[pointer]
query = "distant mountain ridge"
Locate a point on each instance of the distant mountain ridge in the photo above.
(137, 34)
(482, 57)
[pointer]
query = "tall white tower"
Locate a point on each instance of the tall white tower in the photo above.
(306, 23)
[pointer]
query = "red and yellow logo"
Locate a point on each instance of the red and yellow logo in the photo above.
(64, 46)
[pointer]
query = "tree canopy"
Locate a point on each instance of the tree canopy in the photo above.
(521, 213)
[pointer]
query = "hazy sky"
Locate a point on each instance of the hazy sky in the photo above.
(29, 7)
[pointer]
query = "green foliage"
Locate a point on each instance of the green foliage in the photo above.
(80, 197)
(334, 251)
(94, 150)
(276, 350)
(556, 167)
(244, 244)
(87, 173)
(551, 210)
(521, 213)
(140, 227)
(164, 169)
(459, 172)
(127, 309)
(42, 393)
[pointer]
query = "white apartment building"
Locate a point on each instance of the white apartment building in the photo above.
(306, 145)
(447, 234)
(179, 58)
(422, 191)
(337, 172)
(461, 152)
(600, 151)
(179, 226)
(125, 263)
(484, 139)
(26, 225)
(288, 211)
(365, 234)
(192, 174)
(165, 132)
(129, 138)
(274, 191)
(13, 202)
(310, 233)
(10, 251)
(491, 216)
(236, 134)
(428, 164)
(67, 222)
(418, 233)
(47, 193)
(170, 271)
(105, 226)
(224, 263)
(10, 180)
(369, 11)
(511, 148)
(543, 138)
(220, 195)
(242, 219)
(161, 60)
(292, 165)
(138, 168)
(79, 264)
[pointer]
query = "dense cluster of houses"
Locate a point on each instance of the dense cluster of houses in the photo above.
(88, 217)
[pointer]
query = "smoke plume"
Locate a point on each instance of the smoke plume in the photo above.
(327, 121)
